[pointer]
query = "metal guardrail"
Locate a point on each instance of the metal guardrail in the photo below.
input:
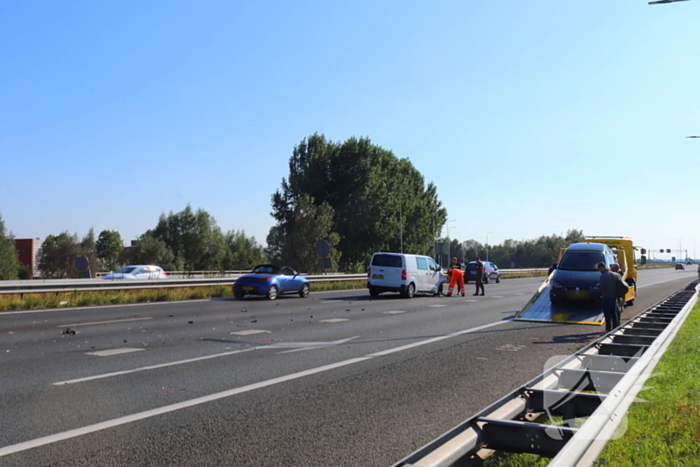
(597, 384)
(91, 285)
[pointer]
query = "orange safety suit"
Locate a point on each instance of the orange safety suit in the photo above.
(456, 276)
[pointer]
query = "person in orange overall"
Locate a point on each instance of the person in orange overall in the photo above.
(456, 276)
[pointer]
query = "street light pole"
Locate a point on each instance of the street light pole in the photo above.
(487, 245)
(449, 240)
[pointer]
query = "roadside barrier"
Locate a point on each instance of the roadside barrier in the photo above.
(90, 285)
(597, 384)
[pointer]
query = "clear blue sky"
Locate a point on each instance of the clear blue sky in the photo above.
(530, 117)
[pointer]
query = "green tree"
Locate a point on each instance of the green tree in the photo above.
(379, 202)
(110, 248)
(194, 239)
(312, 223)
(242, 253)
(88, 249)
(57, 256)
(9, 261)
(152, 250)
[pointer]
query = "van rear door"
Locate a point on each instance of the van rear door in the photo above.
(385, 270)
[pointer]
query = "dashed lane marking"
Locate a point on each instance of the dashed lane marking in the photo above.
(511, 347)
(436, 306)
(152, 367)
(42, 441)
(102, 322)
(334, 320)
(393, 312)
(249, 332)
(110, 352)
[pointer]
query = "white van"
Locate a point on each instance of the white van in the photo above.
(406, 274)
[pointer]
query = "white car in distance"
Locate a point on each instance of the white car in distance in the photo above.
(138, 272)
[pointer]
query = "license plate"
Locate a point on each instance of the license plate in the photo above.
(578, 295)
(248, 287)
(378, 276)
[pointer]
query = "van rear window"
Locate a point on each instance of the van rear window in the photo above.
(392, 261)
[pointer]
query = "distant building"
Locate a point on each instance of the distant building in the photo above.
(27, 252)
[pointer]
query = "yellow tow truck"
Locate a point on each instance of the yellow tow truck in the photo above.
(543, 306)
(625, 252)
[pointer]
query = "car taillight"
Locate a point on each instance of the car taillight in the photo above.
(403, 275)
(369, 271)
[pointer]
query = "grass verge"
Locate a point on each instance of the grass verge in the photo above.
(114, 297)
(663, 427)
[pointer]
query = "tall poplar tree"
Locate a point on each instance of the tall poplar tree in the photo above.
(379, 202)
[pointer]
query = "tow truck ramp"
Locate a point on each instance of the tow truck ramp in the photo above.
(570, 411)
(540, 308)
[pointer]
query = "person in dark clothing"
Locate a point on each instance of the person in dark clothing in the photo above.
(608, 296)
(620, 301)
(479, 276)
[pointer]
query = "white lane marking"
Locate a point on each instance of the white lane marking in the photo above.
(655, 283)
(436, 306)
(497, 296)
(14, 448)
(471, 300)
(102, 322)
(334, 320)
(395, 312)
(110, 352)
(437, 339)
(249, 332)
(152, 367)
(301, 346)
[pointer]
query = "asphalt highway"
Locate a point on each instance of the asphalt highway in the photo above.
(337, 379)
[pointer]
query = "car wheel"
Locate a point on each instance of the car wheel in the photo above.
(486, 279)
(304, 292)
(373, 292)
(238, 295)
(498, 279)
(272, 293)
(410, 291)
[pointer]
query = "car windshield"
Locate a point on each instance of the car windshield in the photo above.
(581, 261)
(266, 270)
(126, 270)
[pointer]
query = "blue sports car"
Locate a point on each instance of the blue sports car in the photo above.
(271, 281)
